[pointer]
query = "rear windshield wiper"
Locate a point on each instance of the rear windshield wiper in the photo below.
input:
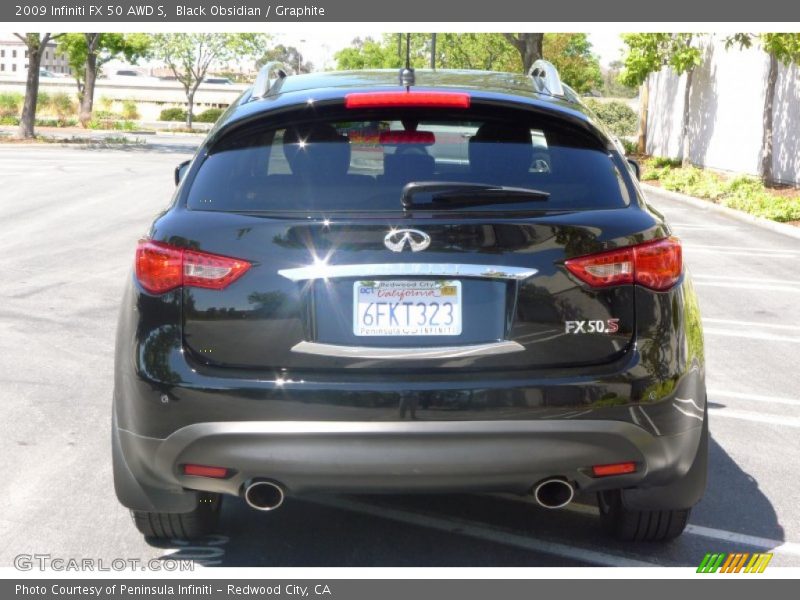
(456, 194)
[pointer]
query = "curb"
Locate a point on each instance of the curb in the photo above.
(774, 226)
(168, 133)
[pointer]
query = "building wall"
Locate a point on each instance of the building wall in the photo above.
(14, 58)
(726, 105)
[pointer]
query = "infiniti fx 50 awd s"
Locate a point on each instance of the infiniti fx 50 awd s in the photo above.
(450, 284)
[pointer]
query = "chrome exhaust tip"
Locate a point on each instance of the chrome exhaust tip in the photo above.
(263, 495)
(553, 493)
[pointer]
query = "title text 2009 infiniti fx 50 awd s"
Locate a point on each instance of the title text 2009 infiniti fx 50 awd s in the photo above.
(370, 286)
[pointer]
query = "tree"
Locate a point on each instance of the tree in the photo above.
(571, 53)
(36, 44)
(529, 46)
(481, 51)
(369, 53)
(780, 47)
(290, 56)
(88, 52)
(649, 53)
(189, 56)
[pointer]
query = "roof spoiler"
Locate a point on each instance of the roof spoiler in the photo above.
(265, 81)
(546, 79)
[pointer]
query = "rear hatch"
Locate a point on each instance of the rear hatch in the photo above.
(385, 238)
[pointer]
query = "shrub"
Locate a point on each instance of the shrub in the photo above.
(130, 110)
(10, 104)
(43, 101)
(106, 103)
(209, 115)
(620, 118)
(172, 114)
(630, 146)
(62, 106)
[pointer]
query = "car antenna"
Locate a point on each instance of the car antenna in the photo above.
(407, 77)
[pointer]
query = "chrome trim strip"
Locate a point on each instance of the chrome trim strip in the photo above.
(396, 353)
(323, 271)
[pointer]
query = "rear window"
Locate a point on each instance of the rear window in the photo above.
(363, 165)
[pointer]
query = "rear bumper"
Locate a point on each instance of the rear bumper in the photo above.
(317, 456)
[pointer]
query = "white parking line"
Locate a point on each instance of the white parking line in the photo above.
(743, 415)
(713, 393)
(741, 252)
(742, 248)
(740, 279)
(760, 287)
(774, 546)
(751, 335)
(485, 532)
(780, 326)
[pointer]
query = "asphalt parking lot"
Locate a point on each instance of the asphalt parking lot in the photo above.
(69, 221)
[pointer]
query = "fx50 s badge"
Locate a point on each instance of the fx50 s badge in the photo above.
(607, 326)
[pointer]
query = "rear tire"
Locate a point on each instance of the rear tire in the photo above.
(629, 525)
(181, 526)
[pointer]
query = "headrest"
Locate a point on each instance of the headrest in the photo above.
(316, 151)
(500, 151)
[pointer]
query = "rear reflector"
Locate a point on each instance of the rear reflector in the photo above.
(205, 471)
(613, 469)
(656, 265)
(408, 99)
(162, 267)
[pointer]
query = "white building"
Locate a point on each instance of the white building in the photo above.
(14, 58)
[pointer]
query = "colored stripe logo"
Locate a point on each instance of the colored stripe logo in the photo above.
(738, 562)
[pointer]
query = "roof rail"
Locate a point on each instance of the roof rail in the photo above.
(546, 79)
(264, 82)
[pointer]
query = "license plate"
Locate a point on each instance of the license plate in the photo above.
(407, 307)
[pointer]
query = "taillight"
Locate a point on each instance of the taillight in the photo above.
(655, 265)
(161, 267)
(407, 99)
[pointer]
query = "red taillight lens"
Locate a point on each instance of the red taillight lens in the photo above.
(613, 469)
(408, 99)
(659, 264)
(205, 471)
(656, 265)
(161, 268)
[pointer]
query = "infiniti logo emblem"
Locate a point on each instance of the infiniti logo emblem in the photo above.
(397, 240)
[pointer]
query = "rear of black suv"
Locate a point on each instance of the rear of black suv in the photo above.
(363, 287)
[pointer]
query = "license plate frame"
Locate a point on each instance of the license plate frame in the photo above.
(393, 308)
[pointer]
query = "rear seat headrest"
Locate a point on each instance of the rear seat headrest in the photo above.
(317, 151)
(488, 158)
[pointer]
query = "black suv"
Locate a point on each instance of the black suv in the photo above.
(443, 281)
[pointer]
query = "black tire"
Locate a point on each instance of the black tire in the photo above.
(181, 526)
(630, 525)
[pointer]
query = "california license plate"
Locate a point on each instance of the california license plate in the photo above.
(407, 307)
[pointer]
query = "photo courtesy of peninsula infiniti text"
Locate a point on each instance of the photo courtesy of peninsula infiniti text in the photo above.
(414, 282)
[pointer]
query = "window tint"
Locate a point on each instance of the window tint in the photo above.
(362, 165)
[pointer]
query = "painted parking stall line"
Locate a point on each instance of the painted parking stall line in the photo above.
(486, 533)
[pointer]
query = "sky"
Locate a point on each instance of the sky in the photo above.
(320, 49)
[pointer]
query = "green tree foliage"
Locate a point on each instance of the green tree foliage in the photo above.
(189, 55)
(290, 56)
(87, 53)
(481, 51)
(617, 116)
(571, 53)
(650, 52)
